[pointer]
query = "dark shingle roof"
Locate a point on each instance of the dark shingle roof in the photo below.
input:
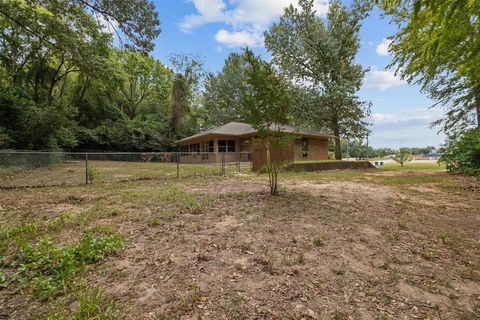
(240, 129)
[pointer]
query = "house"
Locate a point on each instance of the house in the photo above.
(233, 139)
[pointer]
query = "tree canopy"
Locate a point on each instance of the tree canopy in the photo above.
(438, 47)
(319, 56)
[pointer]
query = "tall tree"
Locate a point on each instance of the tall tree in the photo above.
(188, 72)
(320, 57)
(223, 99)
(438, 47)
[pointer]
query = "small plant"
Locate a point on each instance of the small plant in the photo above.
(153, 222)
(92, 173)
(318, 242)
(427, 256)
(402, 225)
(402, 156)
(301, 258)
(385, 265)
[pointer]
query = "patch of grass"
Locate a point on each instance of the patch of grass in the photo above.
(46, 268)
(10, 171)
(91, 304)
(233, 308)
(402, 225)
(413, 179)
(190, 300)
(412, 166)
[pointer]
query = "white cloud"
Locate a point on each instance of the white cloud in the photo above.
(399, 118)
(382, 80)
(244, 16)
(237, 39)
(382, 48)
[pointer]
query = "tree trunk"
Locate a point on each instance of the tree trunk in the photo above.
(338, 147)
(477, 107)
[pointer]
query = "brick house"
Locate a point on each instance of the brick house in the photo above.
(233, 139)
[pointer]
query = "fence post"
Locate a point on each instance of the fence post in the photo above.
(178, 165)
(86, 168)
(223, 163)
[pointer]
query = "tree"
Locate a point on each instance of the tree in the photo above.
(320, 57)
(437, 47)
(223, 99)
(267, 107)
(136, 20)
(403, 155)
(188, 72)
(461, 153)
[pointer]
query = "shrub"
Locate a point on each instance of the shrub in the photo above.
(92, 173)
(461, 153)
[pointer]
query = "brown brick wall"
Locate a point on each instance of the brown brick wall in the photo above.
(317, 149)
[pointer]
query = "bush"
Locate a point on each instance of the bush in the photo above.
(461, 153)
(92, 173)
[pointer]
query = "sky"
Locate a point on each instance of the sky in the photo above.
(211, 29)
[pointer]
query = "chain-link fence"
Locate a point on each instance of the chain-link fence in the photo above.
(39, 168)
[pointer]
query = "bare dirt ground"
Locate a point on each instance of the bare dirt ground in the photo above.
(381, 245)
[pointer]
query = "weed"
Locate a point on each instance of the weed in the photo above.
(385, 265)
(427, 255)
(301, 258)
(233, 308)
(402, 225)
(191, 299)
(339, 272)
(92, 304)
(318, 242)
(153, 222)
(338, 315)
(46, 268)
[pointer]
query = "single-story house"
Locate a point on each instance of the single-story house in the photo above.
(233, 139)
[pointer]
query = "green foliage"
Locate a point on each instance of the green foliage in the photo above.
(267, 107)
(402, 156)
(437, 47)
(461, 154)
(319, 56)
(92, 304)
(45, 267)
(223, 98)
(92, 173)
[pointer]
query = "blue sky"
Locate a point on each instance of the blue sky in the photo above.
(211, 29)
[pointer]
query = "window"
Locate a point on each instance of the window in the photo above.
(195, 148)
(184, 149)
(304, 147)
(226, 145)
(207, 147)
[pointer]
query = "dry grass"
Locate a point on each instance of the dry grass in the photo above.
(338, 245)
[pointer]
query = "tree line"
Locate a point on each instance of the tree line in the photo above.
(67, 84)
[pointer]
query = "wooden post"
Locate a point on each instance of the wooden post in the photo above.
(178, 165)
(86, 168)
